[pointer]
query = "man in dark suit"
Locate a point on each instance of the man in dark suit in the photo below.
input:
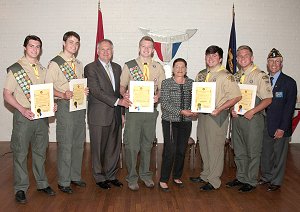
(278, 126)
(104, 115)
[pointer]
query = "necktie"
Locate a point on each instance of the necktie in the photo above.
(146, 72)
(36, 72)
(72, 65)
(107, 71)
(271, 80)
(207, 77)
(242, 78)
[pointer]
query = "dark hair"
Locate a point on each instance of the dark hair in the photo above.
(180, 60)
(69, 34)
(32, 37)
(214, 49)
(106, 40)
(245, 47)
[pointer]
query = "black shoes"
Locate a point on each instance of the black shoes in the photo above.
(273, 187)
(246, 188)
(207, 187)
(234, 183)
(197, 180)
(48, 190)
(79, 183)
(262, 182)
(104, 184)
(116, 182)
(20, 197)
(65, 189)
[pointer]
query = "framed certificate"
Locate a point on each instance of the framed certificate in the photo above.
(78, 101)
(141, 96)
(203, 97)
(42, 100)
(248, 99)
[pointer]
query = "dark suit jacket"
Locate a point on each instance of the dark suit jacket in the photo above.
(280, 111)
(102, 97)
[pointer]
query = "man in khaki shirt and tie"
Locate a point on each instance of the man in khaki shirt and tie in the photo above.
(212, 128)
(139, 132)
(247, 130)
(27, 71)
(70, 126)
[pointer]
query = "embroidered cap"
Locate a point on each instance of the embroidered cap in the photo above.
(274, 53)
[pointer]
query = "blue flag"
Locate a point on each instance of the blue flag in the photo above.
(231, 58)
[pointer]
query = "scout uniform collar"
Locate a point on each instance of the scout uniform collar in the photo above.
(68, 71)
(213, 70)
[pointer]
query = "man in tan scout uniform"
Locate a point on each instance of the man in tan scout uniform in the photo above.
(139, 130)
(70, 126)
(212, 128)
(20, 76)
(247, 130)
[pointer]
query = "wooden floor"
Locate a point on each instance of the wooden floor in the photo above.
(189, 198)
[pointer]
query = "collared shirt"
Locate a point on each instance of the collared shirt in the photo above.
(156, 74)
(259, 78)
(275, 77)
(112, 78)
(55, 75)
(12, 85)
(226, 87)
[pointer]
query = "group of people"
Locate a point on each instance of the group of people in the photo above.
(255, 135)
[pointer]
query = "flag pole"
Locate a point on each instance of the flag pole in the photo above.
(100, 31)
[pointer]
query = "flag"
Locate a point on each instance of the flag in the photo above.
(231, 57)
(100, 32)
(166, 51)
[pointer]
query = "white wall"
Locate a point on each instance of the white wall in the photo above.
(259, 24)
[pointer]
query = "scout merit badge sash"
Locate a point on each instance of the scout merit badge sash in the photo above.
(22, 78)
(66, 69)
(135, 70)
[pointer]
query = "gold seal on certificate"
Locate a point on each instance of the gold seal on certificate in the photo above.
(248, 99)
(203, 97)
(142, 96)
(78, 101)
(42, 101)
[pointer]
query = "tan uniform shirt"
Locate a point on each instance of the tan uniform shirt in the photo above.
(226, 86)
(259, 78)
(12, 85)
(56, 76)
(156, 74)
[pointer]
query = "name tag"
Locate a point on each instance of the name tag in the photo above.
(279, 94)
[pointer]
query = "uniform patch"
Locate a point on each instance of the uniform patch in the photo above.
(265, 77)
(231, 78)
(251, 81)
(269, 90)
(279, 94)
